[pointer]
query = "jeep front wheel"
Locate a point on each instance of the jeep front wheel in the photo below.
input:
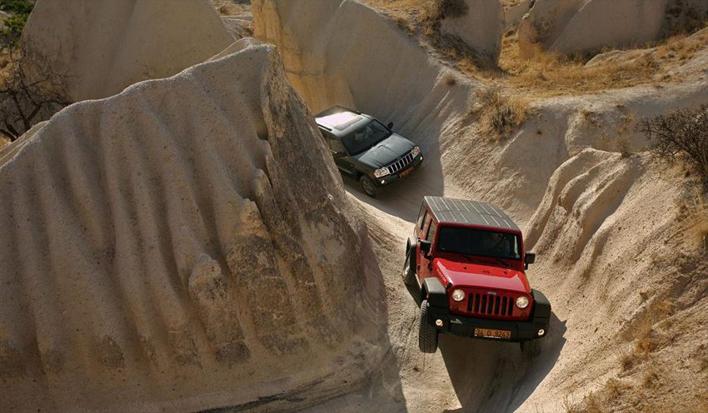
(368, 186)
(427, 334)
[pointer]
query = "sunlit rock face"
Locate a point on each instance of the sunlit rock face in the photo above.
(182, 244)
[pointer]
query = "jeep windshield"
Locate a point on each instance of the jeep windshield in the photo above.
(365, 137)
(468, 241)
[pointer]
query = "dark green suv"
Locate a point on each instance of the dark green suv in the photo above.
(367, 149)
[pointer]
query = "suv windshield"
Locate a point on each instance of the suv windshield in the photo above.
(365, 137)
(470, 241)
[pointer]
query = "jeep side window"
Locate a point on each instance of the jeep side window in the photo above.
(421, 215)
(426, 225)
(432, 229)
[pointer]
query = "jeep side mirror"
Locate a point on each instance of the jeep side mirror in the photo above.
(529, 258)
(390, 125)
(424, 246)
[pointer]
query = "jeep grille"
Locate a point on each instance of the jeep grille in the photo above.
(487, 305)
(400, 164)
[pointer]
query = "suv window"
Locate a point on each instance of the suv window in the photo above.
(365, 137)
(334, 144)
(469, 241)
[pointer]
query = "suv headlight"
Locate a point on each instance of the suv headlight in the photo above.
(415, 151)
(522, 302)
(458, 295)
(381, 172)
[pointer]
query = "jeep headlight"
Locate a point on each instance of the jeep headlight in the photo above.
(381, 172)
(522, 302)
(458, 295)
(415, 151)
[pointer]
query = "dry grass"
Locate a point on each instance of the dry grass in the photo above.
(231, 7)
(499, 114)
(647, 339)
(544, 74)
(552, 74)
(410, 10)
(598, 401)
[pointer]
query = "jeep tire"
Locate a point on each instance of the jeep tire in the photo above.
(368, 186)
(409, 268)
(427, 334)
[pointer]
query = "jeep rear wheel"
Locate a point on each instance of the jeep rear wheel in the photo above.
(368, 186)
(409, 268)
(427, 334)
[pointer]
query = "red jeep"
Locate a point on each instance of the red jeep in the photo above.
(468, 260)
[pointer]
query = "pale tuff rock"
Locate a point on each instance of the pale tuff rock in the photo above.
(182, 241)
(99, 47)
(587, 26)
(480, 27)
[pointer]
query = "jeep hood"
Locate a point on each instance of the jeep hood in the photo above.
(468, 273)
(386, 151)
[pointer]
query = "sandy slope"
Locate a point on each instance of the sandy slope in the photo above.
(159, 251)
(618, 235)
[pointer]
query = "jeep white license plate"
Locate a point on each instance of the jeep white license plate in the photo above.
(492, 333)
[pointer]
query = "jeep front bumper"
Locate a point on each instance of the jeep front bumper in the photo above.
(465, 326)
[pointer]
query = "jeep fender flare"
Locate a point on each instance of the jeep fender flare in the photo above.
(541, 306)
(434, 292)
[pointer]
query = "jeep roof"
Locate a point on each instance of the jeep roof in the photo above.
(461, 211)
(340, 121)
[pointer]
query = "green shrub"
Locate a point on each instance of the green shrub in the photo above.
(19, 11)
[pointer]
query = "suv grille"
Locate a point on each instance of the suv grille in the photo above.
(400, 164)
(484, 304)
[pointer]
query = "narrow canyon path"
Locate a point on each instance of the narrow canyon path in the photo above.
(464, 375)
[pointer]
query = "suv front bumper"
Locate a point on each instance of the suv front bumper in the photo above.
(465, 326)
(402, 174)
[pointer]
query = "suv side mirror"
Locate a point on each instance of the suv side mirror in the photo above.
(390, 125)
(424, 246)
(529, 258)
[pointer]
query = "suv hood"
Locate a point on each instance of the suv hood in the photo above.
(466, 273)
(386, 151)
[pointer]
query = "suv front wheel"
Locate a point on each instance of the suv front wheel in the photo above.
(368, 186)
(427, 334)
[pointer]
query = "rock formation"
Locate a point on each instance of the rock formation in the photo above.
(182, 244)
(580, 26)
(479, 25)
(98, 47)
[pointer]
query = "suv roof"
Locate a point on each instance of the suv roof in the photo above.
(339, 121)
(462, 211)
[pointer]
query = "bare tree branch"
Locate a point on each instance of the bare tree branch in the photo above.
(682, 134)
(24, 97)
